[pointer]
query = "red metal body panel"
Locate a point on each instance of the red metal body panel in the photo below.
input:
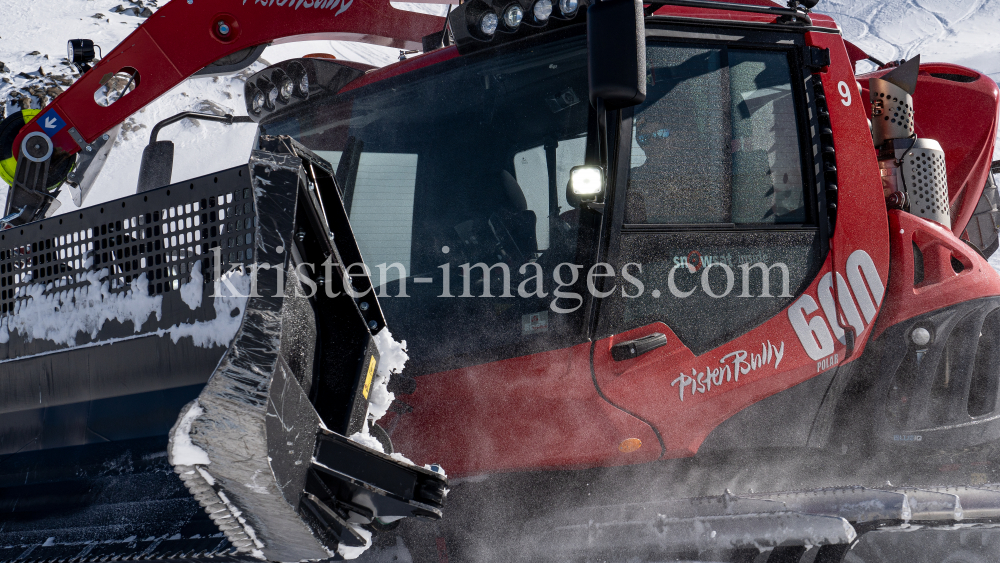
(941, 286)
(962, 116)
(794, 346)
(494, 419)
(534, 412)
(179, 40)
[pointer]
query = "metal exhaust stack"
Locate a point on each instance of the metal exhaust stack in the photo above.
(912, 169)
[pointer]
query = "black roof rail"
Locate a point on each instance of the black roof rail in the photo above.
(794, 15)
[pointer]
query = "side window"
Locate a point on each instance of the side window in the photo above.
(766, 164)
(718, 224)
(381, 207)
(531, 172)
(716, 140)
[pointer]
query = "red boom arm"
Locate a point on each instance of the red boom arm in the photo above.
(184, 36)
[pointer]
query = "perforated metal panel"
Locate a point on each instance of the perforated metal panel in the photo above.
(161, 233)
(892, 112)
(926, 181)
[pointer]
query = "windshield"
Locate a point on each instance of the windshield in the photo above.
(436, 177)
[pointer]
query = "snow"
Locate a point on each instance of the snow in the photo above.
(192, 291)
(206, 475)
(367, 440)
(231, 295)
(392, 359)
(60, 316)
(355, 552)
(956, 31)
(182, 450)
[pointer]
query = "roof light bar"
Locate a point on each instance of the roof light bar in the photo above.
(289, 83)
(477, 24)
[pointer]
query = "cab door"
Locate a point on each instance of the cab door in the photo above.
(725, 245)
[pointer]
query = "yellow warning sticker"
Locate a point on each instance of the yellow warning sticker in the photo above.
(368, 378)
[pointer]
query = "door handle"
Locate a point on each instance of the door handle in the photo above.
(635, 348)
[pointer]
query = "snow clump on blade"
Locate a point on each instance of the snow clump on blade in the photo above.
(192, 291)
(231, 294)
(182, 450)
(60, 316)
(392, 358)
(348, 552)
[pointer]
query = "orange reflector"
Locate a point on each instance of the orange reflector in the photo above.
(629, 445)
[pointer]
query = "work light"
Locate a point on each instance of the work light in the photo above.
(488, 23)
(512, 16)
(586, 182)
(542, 10)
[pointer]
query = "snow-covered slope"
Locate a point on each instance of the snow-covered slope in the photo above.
(960, 31)
(957, 31)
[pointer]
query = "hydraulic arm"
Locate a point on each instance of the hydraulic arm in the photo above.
(182, 39)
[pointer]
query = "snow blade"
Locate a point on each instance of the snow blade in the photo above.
(192, 299)
(259, 425)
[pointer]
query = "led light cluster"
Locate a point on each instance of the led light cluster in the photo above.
(270, 90)
(478, 21)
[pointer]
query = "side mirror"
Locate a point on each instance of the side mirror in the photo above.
(156, 166)
(616, 53)
(158, 156)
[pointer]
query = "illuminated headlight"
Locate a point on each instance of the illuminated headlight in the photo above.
(512, 16)
(542, 10)
(586, 181)
(488, 24)
(568, 7)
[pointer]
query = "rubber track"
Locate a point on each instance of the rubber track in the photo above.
(216, 549)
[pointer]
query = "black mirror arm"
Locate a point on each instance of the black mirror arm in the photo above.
(158, 157)
(228, 119)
